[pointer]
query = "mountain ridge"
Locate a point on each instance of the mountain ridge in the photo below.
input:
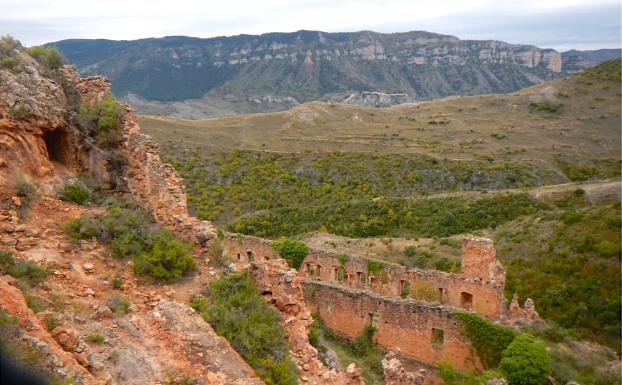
(309, 65)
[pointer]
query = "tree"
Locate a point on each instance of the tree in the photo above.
(291, 250)
(525, 361)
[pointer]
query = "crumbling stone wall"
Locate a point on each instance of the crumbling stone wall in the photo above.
(244, 249)
(425, 332)
(479, 286)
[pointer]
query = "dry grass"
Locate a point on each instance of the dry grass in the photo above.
(494, 127)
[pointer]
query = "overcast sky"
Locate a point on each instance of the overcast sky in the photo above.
(559, 24)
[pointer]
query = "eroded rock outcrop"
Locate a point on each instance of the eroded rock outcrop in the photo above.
(377, 99)
(282, 287)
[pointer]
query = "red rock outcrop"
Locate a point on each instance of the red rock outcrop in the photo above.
(57, 351)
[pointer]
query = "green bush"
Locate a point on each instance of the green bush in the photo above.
(7, 44)
(545, 106)
(95, 338)
(102, 121)
(29, 272)
(294, 252)
(49, 57)
(83, 227)
(223, 187)
(118, 304)
(238, 313)
(50, 322)
(10, 63)
(166, 259)
(488, 339)
(75, 193)
(438, 217)
(526, 362)
(451, 376)
(26, 191)
(577, 254)
(375, 267)
(7, 260)
(128, 233)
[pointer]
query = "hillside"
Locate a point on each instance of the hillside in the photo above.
(576, 61)
(276, 71)
(562, 130)
(406, 183)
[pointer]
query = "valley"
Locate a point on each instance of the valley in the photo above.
(458, 241)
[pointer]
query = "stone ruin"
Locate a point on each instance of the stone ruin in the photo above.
(349, 297)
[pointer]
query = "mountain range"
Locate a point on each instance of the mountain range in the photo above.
(194, 78)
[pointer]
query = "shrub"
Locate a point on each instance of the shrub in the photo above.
(117, 281)
(75, 193)
(35, 303)
(525, 361)
(50, 322)
(118, 304)
(129, 233)
(10, 63)
(29, 272)
(489, 340)
(166, 259)
(424, 291)
(83, 227)
(7, 44)
(26, 191)
(7, 260)
(49, 57)
(95, 338)
(545, 106)
(238, 313)
(375, 267)
(294, 252)
(102, 121)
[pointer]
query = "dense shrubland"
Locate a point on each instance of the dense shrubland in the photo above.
(568, 261)
(437, 217)
(223, 186)
(238, 313)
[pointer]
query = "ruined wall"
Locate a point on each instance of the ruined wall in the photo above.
(427, 333)
(479, 287)
(282, 287)
(244, 249)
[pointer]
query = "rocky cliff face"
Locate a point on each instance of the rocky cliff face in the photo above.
(377, 99)
(577, 61)
(309, 65)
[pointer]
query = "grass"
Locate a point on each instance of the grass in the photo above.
(530, 138)
(29, 273)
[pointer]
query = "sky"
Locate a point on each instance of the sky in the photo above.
(558, 24)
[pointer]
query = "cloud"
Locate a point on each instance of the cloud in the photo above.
(560, 24)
